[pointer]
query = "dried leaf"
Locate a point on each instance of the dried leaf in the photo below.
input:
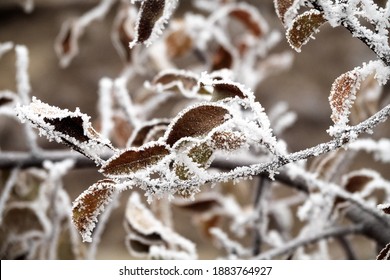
(142, 134)
(152, 16)
(228, 140)
(221, 59)
(342, 95)
(178, 43)
(89, 205)
(303, 28)
(134, 159)
(123, 30)
(246, 17)
(63, 126)
(66, 45)
(357, 183)
(173, 79)
(144, 230)
(384, 254)
(18, 220)
(281, 7)
(196, 121)
(122, 131)
(203, 203)
(223, 89)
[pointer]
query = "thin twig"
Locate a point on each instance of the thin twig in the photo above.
(303, 241)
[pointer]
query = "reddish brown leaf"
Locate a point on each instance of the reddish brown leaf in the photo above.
(202, 203)
(197, 121)
(140, 135)
(178, 43)
(89, 205)
(303, 27)
(342, 95)
(281, 7)
(357, 183)
(384, 254)
(247, 19)
(172, 79)
(224, 90)
(222, 58)
(133, 160)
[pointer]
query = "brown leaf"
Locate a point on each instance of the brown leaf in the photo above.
(202, 203)
(281, 7)
(125, 38)
(133, 160)
(342, 95)
(63, 126)
(171, 80)
(141, 134)
(150, 11)
(89, 205)
(178, 43)
(66, 45)
(224, 90)
(197, 121)
(228, 140)
(222, 58)
(247, 19)
(303, 27)
(357, 183)
(71, 126)
(384, 254)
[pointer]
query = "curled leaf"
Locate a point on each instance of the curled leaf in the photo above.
(141, 135)
(223, 89)
(63, 126)
(196, 121)
(254, 24)
(174, 80)
(152, 16)
(178, 43)
(145, 233)
(203, 203)
(66, 44)
(89, 205)
(221, 59)
(303, 28)
(123, 31)
(134, 159)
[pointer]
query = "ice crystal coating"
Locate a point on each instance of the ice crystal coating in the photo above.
(89, 205)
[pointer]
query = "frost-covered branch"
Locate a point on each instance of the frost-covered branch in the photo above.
(343, 14)
(344, 137)
(294, 244)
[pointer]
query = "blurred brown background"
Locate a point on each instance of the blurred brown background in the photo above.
(305, 87)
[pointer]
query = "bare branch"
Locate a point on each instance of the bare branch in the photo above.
(303, 241)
